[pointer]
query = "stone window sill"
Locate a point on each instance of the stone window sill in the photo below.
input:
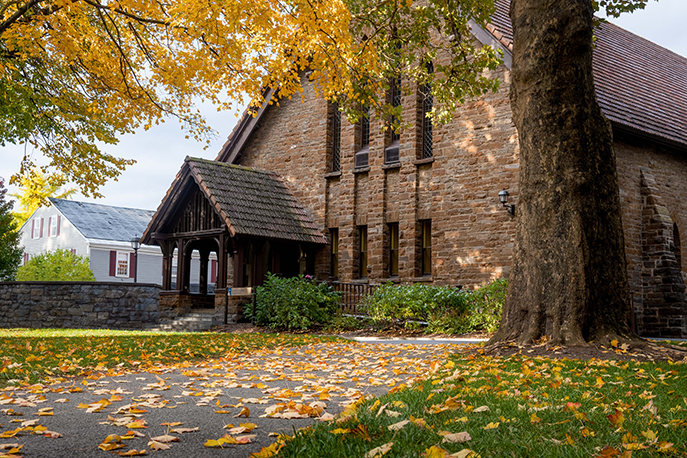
(427, 160)
(336, 174)
(427, 279)
(362, 169)
(393, 165)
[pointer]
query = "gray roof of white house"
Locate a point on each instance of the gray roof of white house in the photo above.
(104, 222)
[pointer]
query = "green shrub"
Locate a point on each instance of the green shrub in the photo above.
(293, 303)
(486, 304)
(58, 265)
(342, 323)
(416, 302)
(444, 309)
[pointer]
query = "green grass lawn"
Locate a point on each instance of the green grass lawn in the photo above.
(30, 355)
(516, 407)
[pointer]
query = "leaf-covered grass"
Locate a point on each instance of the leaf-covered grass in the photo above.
(518, 406)
(29, 355)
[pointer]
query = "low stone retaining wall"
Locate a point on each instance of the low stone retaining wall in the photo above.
(79, 305)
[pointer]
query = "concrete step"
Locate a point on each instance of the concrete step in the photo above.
(196, 321)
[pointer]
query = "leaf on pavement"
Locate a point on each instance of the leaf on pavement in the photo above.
(184, 430)
(156, 445)
(165, 438)
(245, 413)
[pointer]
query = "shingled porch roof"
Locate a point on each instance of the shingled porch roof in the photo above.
(251, 202)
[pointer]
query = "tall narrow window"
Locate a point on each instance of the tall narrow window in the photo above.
(335, 126)
(393, 250)
(426, 150)
(365, 128)
(334, 268)
(362, 252)
(36, 225)
(362, 156)
(122, 264)
(426, 247)
(391, 153)
(677, 249)
(53, 226)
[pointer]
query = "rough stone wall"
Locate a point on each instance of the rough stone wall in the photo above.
(653, 193)
(475, 156)
(78, 305)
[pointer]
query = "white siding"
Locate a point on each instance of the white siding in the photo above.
(69, 239)
(149, 265)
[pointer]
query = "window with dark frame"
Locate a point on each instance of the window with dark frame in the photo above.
(391, 153)
(426, 150)
(362, 157)
(362, 252)
(365, 128)
(335, 148)
(334, 266)
(393, 249)
(426, 247)
(677, 248)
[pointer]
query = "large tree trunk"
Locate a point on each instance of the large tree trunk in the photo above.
(569, 277)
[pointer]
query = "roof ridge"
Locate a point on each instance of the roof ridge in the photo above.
(225, 164)
(54, 199)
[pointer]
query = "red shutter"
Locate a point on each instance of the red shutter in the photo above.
(33, 227)
(213, 271)
(58, 224)
(132, 264)
(50, 226)
(41, 236)
(113, 263)
(26, 258)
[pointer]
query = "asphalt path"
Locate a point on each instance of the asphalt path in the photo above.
(291, 382)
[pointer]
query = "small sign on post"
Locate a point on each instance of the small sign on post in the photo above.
(244, 291)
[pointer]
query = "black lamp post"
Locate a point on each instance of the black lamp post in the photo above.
(135, 244)
(503, 197)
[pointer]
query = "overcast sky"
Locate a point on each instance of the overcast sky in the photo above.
(161, 150)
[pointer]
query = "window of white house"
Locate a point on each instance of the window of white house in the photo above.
(36, 228)
(122, 264)
(53, 226)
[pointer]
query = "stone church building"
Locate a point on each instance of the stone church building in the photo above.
(297, 189)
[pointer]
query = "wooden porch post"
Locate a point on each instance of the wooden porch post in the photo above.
(167, 249)
(203, 277)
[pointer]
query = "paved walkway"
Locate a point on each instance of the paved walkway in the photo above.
(289, 383)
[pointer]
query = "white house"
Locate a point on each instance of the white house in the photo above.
(100, 232)
(103, 234)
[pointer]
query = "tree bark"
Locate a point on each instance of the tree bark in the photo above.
(569, 277)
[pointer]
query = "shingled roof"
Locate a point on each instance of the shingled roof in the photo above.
(639, 84)
(251, 202)
(104, 222)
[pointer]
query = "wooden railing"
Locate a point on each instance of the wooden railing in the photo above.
(353, 295)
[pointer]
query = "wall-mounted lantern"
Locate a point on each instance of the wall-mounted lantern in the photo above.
(503, 197)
